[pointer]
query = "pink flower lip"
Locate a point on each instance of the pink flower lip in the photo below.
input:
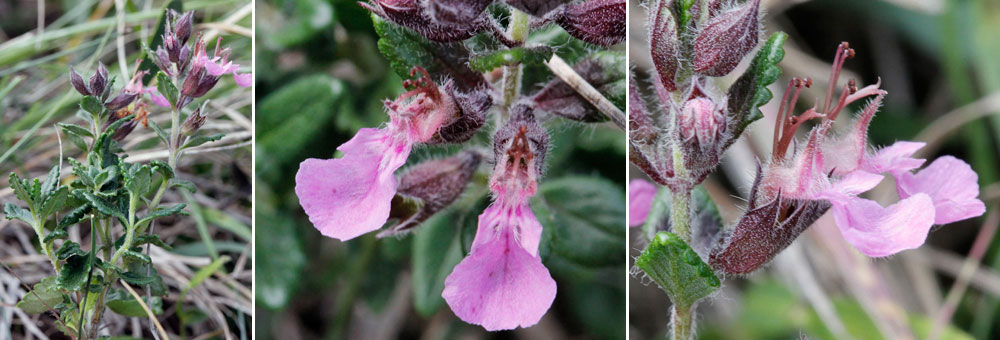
(641, 194)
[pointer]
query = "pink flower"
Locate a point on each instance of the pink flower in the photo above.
(640, 199)
(503, 284)
(839, 169)
(350, 196)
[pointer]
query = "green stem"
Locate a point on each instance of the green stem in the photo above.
(681, 323)
(90, 275)
(129, 231)
(680, 215)
(520, 22)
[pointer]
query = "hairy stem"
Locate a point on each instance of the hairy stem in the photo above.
(520, 22)
(680, 215)
(681, 323)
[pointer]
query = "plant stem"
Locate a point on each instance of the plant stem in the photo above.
(520, 22)
(90, 275)
(680, 215)
(681, 323)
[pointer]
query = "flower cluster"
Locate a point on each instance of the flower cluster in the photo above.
(502, 283)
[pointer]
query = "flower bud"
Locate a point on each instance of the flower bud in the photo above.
(120, 101)
(77, 81)
(726, 39)
(663, 43)
(410, 14)
(429, 187)
(470, 117)
(538, 8)
(455, 12)
(194, 121)
(124, 130)
(701, 123)
(99, 81)
(599, 22)
(192, 80)
(183, 27)
(601, 70)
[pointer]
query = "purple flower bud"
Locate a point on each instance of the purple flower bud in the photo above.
(599, 22)
(409, 14)
(663, 43)
(120, 101)
(206, 84)
(193, 121)
(124, 130)
(99, 81)
(455, 12)
(77, 81)
(192, 80)
(470, 116)
(600, 70)
(538, 8)
(430, 187)
(763, 231)
(726, 39)
(184, 57)
(183, 27)
(701, 124)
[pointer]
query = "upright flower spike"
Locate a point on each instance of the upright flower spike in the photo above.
(503, 284)
(834, 171)
(350, 196)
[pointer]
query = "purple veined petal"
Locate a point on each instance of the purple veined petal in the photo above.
(640, 199)
(347, 197)
(243, 80)
(894, 159)
(951, 184)
(157, 98)
(500, 285)
(498, 217)
(876, 231)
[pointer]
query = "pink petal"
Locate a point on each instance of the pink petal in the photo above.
(216, 69)
(500, 285)
(878, 231)
(497, 217)
(640, 199)
(350, 196)
(158, 99)
(894, 159)
(855, 183)
(951, 184)
(243, 80)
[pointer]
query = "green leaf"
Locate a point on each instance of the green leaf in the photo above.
(159, 132)
(58, 234)
(437, 249)
(583, 216)
(123, 303)
(199, 140)
(137, 256)
(21, 189)
(74, 272)
(102, 205)
(750, 91)
(68, 249)
(404, 49)
(137, 177)
(150, 239)
(162, 168)
(135, 278)
(13, 211)
(166, 88)
(54, 202)
(183, 184)
(43, 297)
(164, 212)
(510, 57)
(677, 269)
(75, 216)
(51, 181)
(92, 105)
(75, 134)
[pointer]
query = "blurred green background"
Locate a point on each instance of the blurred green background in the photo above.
(320, 77)
(939, 60)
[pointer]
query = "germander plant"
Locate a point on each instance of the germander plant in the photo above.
(693, 117)
(117, 201)
(464, 74)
